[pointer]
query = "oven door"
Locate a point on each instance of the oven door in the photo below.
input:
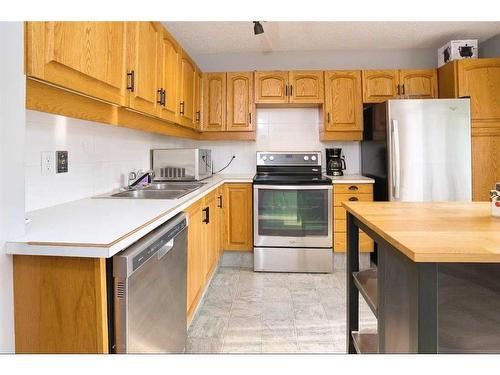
(293, 215)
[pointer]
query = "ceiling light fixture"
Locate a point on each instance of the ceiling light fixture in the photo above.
(257, 28)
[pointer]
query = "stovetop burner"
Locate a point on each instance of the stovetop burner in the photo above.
(289, 168)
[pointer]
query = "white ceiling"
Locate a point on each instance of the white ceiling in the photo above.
(220, 37)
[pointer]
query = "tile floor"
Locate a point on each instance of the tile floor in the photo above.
(249, 312)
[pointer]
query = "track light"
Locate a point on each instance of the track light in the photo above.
(257, 28)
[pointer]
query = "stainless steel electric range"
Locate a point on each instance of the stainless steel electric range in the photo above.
(292, 213)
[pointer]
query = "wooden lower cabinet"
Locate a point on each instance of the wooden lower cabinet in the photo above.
(345, 193)
(238, 223)
(204, 245)
(195, 257)
(60, 304)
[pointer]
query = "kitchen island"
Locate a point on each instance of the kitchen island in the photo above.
(436, 287)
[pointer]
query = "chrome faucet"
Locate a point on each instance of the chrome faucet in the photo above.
(134, 178)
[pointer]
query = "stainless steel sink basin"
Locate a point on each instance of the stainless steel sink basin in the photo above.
(157, 190)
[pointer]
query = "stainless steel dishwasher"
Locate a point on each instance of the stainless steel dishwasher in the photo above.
(150, 291)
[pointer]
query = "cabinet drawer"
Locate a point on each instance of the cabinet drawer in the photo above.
(340, 242)
(353, 188)
(340, 226)
(339, 198)
(339, 213)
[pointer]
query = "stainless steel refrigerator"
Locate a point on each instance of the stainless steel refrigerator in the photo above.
(418, 150)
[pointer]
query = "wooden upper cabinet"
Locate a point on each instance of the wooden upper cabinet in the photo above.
(306, 87)
(380, 85)
(87, 57)
(343, 103)
(197, 106)
(480, 79)
(168, 65)
(143, 79)
(240, 103)
(187, 84)
(418, 84)
(271, 87)
(214, 105)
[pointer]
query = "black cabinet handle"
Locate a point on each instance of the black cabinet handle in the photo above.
(286, 90)
(353, 187)
(160, 93)
(206, 220)
(328, 117)
(403, 89)
(198, 117)
(291, 90)
(250, 118)
(399, 89)
(220, 201)
(182, 109)
(353, 199)
(131, 81)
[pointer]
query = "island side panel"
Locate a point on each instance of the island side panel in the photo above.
(60, 304)
(469, 308)
(407, 303)
(352, 290)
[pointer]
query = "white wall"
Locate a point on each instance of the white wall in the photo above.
(11, 166)
(280, 129)
(490, 47)
(100, 156)
(322, 60)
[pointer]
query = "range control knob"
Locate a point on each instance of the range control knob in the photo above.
(313, 157)
(306, 158)
(264, 158)
(271, 158)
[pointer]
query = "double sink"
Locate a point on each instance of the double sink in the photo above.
(159, 190)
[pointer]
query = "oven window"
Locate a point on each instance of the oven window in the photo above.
(293, 213)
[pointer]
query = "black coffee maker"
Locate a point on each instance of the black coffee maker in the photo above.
(335, 162)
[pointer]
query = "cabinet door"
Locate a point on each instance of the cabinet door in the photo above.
(306, 87)
(220, 221)
(186, 105)
(240, 105)
(485, 161)
(144, 41)
(380, 85)
(195, 256)
(343, 104)
(214, 101)
(238, 233)
(87, 57)
(418, 84)
(210, 235)
(271, 87)
(168, 65)
(480, 79)
(197, 99)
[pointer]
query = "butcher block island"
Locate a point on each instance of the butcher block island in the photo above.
(436, 284)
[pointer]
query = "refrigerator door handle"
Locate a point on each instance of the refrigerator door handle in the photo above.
(396, 162)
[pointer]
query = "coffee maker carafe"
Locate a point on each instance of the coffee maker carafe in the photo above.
(335, 162)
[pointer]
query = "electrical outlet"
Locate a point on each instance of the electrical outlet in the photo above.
(48, 163)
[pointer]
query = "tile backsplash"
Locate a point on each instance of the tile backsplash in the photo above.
(100, 157)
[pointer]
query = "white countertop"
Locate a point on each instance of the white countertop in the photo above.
(102, 227)
(351, 179)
